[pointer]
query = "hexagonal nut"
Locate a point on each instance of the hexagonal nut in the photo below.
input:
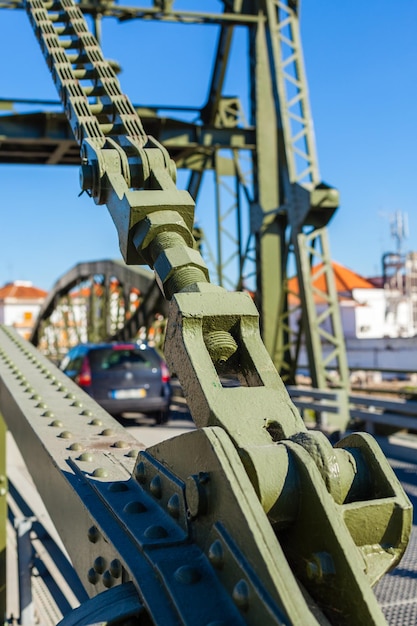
(173, 259)
(160, 222)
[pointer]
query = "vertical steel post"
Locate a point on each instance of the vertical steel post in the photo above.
(269, 228)
(325, 327)
(306, 201)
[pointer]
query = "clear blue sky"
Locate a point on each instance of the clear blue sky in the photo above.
(361, 62)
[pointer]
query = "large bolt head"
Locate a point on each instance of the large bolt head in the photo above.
(196, 494)
(160, 222)
(86, 177)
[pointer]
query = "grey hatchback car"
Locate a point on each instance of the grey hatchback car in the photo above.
(122, 377)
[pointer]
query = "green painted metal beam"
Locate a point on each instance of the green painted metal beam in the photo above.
(46, 138)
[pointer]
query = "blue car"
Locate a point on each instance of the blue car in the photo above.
(122, 377)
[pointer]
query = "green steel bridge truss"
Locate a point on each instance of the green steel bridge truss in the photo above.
(99, 301)
(250, 509)
(270, 206)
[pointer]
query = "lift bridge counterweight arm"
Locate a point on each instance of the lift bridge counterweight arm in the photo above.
(251, 478)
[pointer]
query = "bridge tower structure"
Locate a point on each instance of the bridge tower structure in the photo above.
(256, 152)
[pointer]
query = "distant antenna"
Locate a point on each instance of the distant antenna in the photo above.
(399, 228)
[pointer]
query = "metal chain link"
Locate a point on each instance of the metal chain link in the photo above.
(94, 103)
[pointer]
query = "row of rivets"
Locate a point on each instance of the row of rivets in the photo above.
(36, 397)
(69, 396)
(60, 387)
(241, 590)
(155, 487)
(136, 507)
(153, 531)
(29, 389)
(186, 575)
(115, 566)
(48, 375)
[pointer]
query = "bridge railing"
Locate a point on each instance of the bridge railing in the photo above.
(398, 413)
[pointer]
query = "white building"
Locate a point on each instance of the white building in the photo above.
(20, 303)
(379, 323)
(375, 313)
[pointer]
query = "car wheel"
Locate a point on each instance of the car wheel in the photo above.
(161, 417)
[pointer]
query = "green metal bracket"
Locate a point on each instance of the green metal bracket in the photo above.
(311, 540)
(340, 497)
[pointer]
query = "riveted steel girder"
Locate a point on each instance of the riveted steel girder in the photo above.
(82, 462)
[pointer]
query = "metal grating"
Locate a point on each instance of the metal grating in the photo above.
(397, 591)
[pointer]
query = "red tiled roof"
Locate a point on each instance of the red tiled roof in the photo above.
(346, 280)
(21, 291)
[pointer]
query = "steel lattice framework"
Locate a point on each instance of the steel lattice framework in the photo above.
(98, 301)
(271, 208)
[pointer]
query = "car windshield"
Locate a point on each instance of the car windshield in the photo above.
(132, 357)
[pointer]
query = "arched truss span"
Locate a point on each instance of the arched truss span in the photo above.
(98, 301)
